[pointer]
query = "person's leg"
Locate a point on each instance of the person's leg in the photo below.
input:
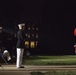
(18, 61)
(22, 51)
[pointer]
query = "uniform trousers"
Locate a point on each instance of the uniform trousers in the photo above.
(20, 52)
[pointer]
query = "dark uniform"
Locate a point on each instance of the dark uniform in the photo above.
(21, 41)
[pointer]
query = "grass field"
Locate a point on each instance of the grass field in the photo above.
(50, 60)
(55, 73)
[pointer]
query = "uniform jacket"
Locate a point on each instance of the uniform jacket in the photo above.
(21, 39)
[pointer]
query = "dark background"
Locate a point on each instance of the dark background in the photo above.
(56, 20)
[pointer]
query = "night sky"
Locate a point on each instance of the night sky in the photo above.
(20, 11)
(55, 18)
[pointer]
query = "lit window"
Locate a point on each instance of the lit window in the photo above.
(28, 35)
(36, 43)
(32, 44)
(36, 35)
(28, 28)
(27, 44)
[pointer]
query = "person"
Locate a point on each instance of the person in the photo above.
(20, 45)
(1, 39)
(75, 38)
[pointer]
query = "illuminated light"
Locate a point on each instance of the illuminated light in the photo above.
(36, 35)
(36, 43)
(0, 27)
(28, 35)
(27, 44)
(32, 44)
(28, 28)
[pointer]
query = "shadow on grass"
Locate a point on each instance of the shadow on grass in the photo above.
(37, 73)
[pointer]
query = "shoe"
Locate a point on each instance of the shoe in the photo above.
(21, 67)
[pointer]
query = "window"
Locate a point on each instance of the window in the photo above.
(28, 35)
(36, 35)
(28, 28)
(27, 44)
(33, 35)
(32, 44)
(36, 28)
(36, 43)
(33, 28)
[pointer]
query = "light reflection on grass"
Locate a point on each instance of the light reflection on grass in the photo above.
(51, 60)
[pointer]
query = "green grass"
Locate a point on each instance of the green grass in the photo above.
(50, 60)
(54, 73)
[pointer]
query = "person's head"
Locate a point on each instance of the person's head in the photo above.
(21, 26)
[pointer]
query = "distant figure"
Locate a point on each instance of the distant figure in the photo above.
(1, 37)
(75, 32)
(20, 45)
(75, 39)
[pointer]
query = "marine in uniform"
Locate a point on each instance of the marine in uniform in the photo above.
(20, 45)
